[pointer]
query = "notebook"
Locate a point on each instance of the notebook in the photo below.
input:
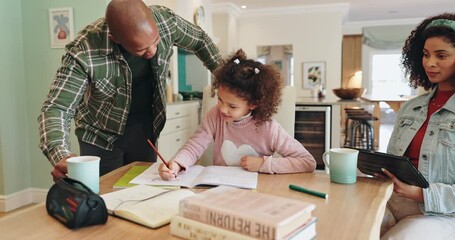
(200, 176)
(146, 205)
(371, 162)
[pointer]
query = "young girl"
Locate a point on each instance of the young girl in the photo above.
(241, 124)
(425, 132)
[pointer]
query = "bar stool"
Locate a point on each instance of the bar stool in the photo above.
(348, 112)
(361, 132)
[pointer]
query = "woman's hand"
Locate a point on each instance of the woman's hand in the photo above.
(405, 190)
(168, 174)
(252, 164)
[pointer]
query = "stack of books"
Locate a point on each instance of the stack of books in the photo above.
(232, 213)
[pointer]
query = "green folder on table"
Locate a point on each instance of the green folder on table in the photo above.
(124, 181)
(134, 171)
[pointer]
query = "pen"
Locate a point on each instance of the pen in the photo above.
(308, 191)
(159, 155)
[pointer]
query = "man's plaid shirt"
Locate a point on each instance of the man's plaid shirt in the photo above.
(93, 84)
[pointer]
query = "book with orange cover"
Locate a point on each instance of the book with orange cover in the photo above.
(258, 215)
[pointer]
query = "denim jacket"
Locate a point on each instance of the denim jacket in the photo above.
(437, 154)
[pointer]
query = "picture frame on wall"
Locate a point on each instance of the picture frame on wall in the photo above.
(313, 74)
(61, 26)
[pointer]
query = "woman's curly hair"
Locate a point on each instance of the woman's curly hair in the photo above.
(257, 83)
(412, 53)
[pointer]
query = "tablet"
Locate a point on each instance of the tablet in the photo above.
(371, 162)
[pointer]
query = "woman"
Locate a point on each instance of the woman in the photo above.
(425, 132)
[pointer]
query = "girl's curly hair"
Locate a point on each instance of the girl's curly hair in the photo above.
(257, 83)
(412, 53)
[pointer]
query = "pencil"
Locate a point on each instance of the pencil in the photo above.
(157, 153)
(308, 191)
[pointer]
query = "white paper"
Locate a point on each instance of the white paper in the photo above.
(136, 194)
(200, 175)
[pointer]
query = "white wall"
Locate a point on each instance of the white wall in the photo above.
(225, 30)
(315, 36)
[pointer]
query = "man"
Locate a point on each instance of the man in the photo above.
(112, 81)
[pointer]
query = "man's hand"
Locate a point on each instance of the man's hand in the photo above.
(405, 190)
(252, 164)
(60, 169)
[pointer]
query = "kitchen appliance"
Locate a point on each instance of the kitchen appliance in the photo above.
(313, 129)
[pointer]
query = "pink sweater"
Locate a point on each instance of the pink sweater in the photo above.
(237, 139)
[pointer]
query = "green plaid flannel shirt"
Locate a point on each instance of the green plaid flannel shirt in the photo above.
(93, 84)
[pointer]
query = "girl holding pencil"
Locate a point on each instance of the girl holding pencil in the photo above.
(241, 124)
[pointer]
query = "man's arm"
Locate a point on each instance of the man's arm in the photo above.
(190, 37)
(65, 93)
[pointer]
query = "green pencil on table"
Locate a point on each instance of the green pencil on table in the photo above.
(308, 191)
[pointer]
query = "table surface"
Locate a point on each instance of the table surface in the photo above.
(352, 211)
(385, 98)
(366, 99)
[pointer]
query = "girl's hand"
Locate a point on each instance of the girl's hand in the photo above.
(405, 190)
(252, 164)
(169, 174)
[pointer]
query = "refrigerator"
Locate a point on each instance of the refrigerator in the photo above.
(313, 129)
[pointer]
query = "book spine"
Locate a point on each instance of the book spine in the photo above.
(246, 225)
(190, 229)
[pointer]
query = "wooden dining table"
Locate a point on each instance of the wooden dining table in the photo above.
(352, 211)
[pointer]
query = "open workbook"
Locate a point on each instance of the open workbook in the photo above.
(147, 205)
(200, 176)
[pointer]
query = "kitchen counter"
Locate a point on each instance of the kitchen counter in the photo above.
(184, 101)
(338, 105)
(337, 113)
(330, 100)
(393, 101)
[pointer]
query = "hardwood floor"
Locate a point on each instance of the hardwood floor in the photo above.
(3, 214)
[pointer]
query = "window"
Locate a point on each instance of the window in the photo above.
(387, 75)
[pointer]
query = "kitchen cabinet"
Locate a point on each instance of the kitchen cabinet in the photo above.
(182, 119)
(351, 59)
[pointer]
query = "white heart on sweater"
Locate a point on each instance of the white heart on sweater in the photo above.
(232, 154)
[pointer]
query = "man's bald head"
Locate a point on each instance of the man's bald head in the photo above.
(127, 17)
(132, 25)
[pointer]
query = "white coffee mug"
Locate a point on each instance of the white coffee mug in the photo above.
(85, 169)
(342, 164)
